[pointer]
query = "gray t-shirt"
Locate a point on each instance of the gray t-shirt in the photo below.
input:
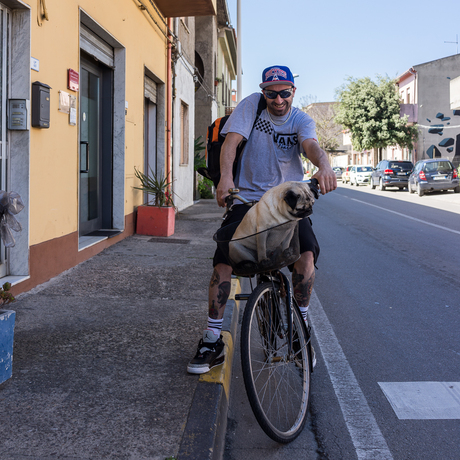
(272, 153)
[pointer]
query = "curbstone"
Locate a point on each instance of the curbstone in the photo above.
(204, 434)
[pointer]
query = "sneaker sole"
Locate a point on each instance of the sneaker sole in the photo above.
(204, 369)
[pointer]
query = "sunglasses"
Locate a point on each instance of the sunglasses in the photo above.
(284, 94)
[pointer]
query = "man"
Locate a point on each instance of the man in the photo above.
(271, 156)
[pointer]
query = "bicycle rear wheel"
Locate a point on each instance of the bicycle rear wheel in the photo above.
(277, 379)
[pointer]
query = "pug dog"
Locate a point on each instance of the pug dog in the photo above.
(287, 202)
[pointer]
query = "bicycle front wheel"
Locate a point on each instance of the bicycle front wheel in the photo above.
(276, 369)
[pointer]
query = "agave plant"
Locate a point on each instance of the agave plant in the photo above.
(156, 185)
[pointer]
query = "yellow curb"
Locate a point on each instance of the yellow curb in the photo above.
(236, 288)
(222, 374)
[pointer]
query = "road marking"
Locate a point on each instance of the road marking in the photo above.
(365, 434)
(423, 400)
(409, 217)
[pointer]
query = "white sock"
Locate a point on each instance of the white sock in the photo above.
(304, 311)
(212, 333)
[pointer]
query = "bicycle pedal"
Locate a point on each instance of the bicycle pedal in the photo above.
(242, 296)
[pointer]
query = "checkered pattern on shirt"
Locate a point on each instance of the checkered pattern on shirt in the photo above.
(263, 126)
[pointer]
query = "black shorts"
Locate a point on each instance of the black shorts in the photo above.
(307, 238)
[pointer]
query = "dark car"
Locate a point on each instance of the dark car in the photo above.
(431, 175)
(391, 173)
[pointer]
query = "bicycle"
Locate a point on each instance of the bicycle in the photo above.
(276, 353)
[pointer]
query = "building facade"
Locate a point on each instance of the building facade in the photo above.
(425, 94)
(94, 82)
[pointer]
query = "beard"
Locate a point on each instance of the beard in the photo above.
(279, 110)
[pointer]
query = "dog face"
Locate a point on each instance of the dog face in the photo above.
(299, 200)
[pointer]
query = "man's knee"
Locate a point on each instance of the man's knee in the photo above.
(306, 263)
(221, 272)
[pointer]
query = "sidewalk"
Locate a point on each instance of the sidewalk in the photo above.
(100, 355)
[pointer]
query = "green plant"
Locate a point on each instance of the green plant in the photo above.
(156, 185)
(205, 188)
(199, 159)
(5, 296)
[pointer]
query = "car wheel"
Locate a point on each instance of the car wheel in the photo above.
(409, 188)
(419, 190)
(371, 183)
(457, 189)
(356, 183)
(381, 186)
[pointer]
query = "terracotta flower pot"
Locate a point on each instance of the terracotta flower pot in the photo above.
(155, 221)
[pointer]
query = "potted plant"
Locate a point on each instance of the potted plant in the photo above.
(7, 318)
(157, 216)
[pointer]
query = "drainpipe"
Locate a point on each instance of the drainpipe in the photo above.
(414, 73)
(169, 103)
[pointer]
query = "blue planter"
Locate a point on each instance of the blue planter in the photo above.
(7, 318)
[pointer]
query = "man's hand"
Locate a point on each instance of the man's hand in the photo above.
(325, 174)
(327, 179)
(222, 190)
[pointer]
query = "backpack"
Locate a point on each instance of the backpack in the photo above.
(214, 141)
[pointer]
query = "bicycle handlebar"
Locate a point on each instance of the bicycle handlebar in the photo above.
(234, 194)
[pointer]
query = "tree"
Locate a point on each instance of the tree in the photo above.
(371, 112)
(327, 130)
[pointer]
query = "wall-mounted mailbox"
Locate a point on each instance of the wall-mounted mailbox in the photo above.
(40, 105)
(18, 114)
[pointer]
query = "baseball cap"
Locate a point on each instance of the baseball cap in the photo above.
(276, 75)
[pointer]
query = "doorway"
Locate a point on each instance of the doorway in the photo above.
(96, 158)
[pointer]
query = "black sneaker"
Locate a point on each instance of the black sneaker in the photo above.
(208, 355)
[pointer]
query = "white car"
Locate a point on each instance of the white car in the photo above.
(360, 174)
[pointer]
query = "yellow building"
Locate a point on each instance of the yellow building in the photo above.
(86, 83)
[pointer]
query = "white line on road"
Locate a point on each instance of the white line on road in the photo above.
(365, 434)
(409, 217)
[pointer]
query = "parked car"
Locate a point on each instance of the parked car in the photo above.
(346, 174)
(338, 172)
(360, 174)
(391, 173)
(433, 174)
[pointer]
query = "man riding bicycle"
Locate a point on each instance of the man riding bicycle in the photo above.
(272, 155)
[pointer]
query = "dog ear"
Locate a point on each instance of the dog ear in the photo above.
(291, 198)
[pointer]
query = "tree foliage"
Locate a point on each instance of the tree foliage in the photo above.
(328, 131)
(370, 110)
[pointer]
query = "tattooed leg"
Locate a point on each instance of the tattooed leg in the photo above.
(302, 290)
(219, 290)
(303, 278)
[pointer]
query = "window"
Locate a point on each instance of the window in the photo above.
(184, 134)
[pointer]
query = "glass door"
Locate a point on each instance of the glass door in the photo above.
(90, 148)
(4, 91)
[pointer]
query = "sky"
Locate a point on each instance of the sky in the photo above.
(327, 41)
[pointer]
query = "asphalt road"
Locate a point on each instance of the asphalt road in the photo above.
(386, 316)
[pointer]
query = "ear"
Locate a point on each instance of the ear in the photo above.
(291, 198)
